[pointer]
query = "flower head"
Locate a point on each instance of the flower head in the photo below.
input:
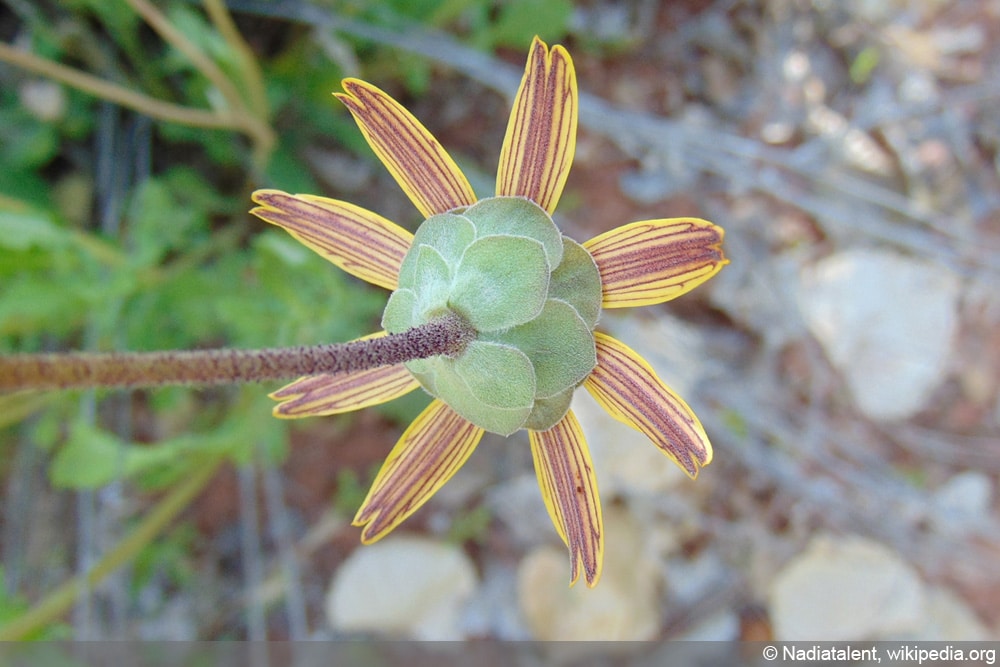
(532, 295)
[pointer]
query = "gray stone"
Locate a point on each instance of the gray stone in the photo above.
(887, 323)
(623, 606)
(847, 589)
(963, 501)
(403, 586)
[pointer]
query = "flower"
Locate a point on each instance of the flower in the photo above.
(533, 296)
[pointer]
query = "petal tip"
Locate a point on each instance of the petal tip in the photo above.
(651, 261)
(627, 387)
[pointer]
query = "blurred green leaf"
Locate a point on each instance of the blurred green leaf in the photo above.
(13, 607)
(20, 230)
(518, 21)
(93, 457)
(167, 559)
(25, 142)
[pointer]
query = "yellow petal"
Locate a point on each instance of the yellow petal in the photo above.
(541, 133)
(569, 489)
(427, 174)
(364, 244)
(431, 450)
(628, 388)
(318, 395)
(656, 260)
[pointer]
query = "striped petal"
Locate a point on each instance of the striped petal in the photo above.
(431, 450)
(319, 395)
(569, 489)
(541, 133)
(427, 174)
(656, 260)
(628, 388)
(364, 244)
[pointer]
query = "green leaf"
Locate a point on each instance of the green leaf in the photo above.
(398, 315)
(448, 233)
(25, 142)
(34, 303)
(559, 344)
(491, 385)
(577, 281)
(432, 282)
(516, 216)
(89, 459)
(518, 20)
(548, 411)
(162, 219)
(501, 282)
(497, 375)
(20, 230)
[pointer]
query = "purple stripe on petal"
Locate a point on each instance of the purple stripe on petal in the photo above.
(628, 388)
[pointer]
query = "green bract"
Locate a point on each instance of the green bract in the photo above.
(533, 297)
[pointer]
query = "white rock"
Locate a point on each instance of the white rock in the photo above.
(846, 589)
(964, 499)
(950, 619)
(886, 321)
(403, 586)
(518, 503)
(623, 606)
(723, 626)
(492, 611)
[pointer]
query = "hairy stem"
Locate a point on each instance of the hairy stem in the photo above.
(447, 335)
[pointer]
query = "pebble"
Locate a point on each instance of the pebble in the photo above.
(518, 504)
(887, 322)
(625, 604)
(404, 587)
(846, 588)
(950, 619)
(963, 501)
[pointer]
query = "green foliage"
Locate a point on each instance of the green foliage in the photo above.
(512, 23)
(167, 559)
(14, 606)
(471, 526)
(350, 492)
(184, 266)
(91, 457)
(864, 64)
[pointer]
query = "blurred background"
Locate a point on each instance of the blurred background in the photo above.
(846, 363)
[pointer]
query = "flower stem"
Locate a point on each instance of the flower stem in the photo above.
(447, 335)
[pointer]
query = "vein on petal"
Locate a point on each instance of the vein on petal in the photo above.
(628, 388)
(418, 162)
(427, 455)
(320, 395)
(540, 141)
(363, 243)
(653, 261)
(569, 488)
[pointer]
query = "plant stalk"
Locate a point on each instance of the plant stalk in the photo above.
(447, 335)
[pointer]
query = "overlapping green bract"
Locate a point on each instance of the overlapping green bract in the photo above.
(532, 295)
